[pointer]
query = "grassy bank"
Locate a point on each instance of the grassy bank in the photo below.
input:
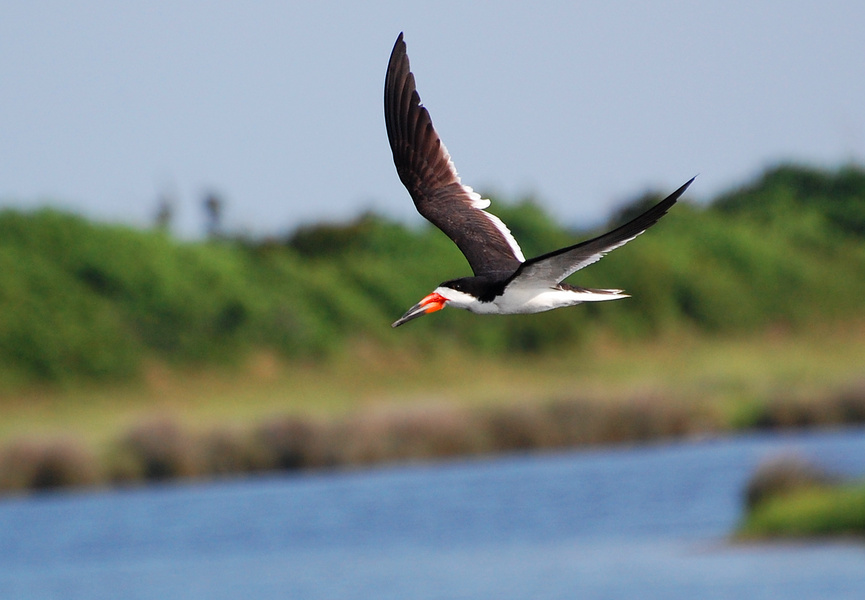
(371, 408)
(118, 344)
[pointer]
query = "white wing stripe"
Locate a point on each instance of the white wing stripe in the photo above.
(477, 200)
(481, 203)
(509, 237)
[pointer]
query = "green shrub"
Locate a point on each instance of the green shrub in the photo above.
(87, 301)
(810, 512)
(783, 476)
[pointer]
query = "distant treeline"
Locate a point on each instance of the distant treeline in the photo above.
(81, 300)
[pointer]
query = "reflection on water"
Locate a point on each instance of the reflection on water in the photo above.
(622, 523)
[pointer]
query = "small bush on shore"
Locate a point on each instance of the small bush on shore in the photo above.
(155, 450)
(230, 451)
(292, 443)
(45, 465)
(789, 497)
(809, 513)
(844, 407)
(784, 475)
(422, 432)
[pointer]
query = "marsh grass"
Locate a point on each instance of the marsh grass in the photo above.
(155, 450)
(376, 406)
(163, 447)
(840, 407)
(765, 380)
(288, 443)
(231, 451)
(406, 433)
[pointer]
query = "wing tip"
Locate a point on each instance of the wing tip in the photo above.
(683, 187)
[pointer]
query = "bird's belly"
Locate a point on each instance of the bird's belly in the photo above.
(525, 302)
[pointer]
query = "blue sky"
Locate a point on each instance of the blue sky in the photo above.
(277, 106)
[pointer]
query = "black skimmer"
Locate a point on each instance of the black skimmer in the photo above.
(504, 282)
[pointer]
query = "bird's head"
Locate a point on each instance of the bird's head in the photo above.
(449, 293)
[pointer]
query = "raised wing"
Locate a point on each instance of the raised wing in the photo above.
(555, 266)
(425, 168)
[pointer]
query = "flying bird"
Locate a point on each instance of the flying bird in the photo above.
(504, 282)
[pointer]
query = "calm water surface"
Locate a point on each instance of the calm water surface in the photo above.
(626, 523)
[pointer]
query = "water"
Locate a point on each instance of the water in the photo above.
(626, 523)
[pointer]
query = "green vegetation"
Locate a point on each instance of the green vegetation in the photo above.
(790, 498)
(810, 513)
(125, 353)
(213, 424)
(81, 301)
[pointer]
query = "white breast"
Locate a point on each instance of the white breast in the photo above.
(522, 301)
(525, 301)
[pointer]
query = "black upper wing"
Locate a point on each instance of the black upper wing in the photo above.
(425, 168)
(555, 266)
